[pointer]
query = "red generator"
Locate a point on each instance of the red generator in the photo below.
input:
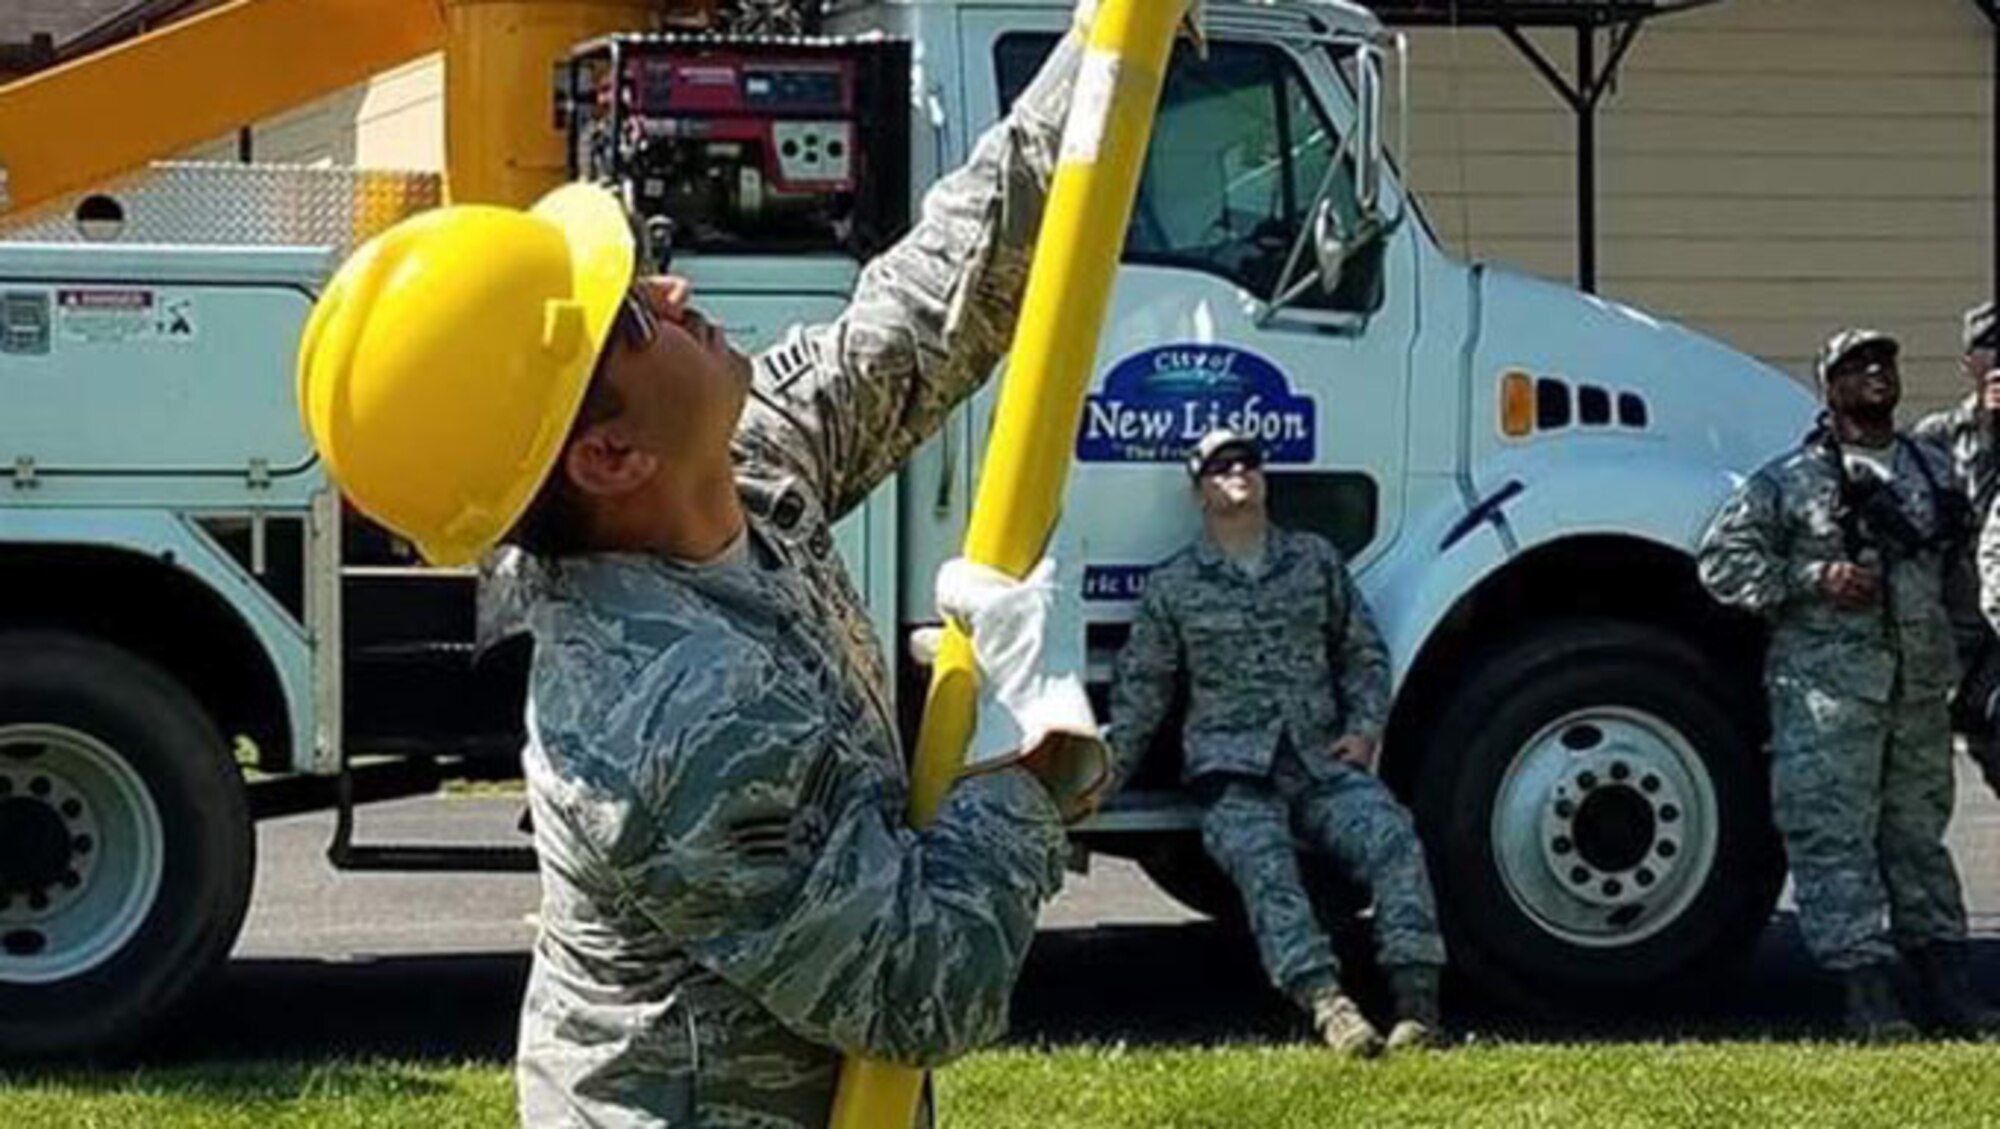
(724, 144)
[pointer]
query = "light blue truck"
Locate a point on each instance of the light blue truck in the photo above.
(195, 633)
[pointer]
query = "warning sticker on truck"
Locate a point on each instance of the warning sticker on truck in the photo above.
(108, 315)
(1155, 405)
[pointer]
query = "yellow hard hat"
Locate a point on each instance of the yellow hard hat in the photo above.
(443, 366)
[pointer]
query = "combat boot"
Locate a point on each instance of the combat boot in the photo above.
(1342, 1027)
(1874, 1014)
(1955, 1005)
(1413, 988)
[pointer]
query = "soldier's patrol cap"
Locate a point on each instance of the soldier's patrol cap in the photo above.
(1982, 327)
(1217, 441)
(1848, 342)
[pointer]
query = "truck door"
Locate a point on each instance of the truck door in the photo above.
(1193, 341)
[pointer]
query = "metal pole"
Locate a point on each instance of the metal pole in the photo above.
(1586, 159)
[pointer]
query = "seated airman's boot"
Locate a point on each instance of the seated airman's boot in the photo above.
(1874, 1014)
(1342, 1027)
(1419, 1025)
(1955, 1005)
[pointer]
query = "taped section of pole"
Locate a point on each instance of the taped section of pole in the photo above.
(1034, 431)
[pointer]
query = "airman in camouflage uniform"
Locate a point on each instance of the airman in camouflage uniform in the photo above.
(1841, 545)
(1288, 690)
(731, 898)
(1965, 432)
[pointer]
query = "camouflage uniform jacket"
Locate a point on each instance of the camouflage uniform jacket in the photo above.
(1964, 435)
(1767, 548)
(1291, 653)
(731, 898)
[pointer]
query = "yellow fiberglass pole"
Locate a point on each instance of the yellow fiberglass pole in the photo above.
(1027, 462)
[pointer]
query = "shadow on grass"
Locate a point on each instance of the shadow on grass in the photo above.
(1163, 985)
(1201, 984)
(235, 1083)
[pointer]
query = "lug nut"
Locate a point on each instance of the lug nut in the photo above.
(38, 900)
(1666, 849)
(1579, 876)
(81, 844)
(1649, 783)
(1613, 887)
(1620, 770)
(1669, 813)
(71, 879)
(39, 785)
(71, 809)
(1644, 877)
(1562, 845)
(1565, 809)
(1586, 780)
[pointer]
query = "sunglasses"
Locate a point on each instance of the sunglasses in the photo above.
(1863, 366)
(1233, 462)
(635, 323)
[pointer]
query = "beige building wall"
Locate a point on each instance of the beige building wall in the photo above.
(1769, 169)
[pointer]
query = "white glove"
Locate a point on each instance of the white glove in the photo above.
(1027, 708)
(1194, 25)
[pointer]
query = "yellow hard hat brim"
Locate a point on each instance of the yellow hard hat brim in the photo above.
(603, 254)
(603, 266)
(467, 334)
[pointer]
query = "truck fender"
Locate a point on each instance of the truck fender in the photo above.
(1452, 550)
(179, 544)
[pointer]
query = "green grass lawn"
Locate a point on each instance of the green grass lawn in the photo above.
(1769, 1086)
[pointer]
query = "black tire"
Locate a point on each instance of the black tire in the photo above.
(207, 847)
(1518, 692)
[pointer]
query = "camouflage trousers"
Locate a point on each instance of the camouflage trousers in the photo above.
(1861, 792)
(1252, 827)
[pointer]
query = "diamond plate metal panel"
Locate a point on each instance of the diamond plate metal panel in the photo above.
(231, 204)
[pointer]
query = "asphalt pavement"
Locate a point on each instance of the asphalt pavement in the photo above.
(432, 966)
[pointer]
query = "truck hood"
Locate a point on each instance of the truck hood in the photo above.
(1710, 403)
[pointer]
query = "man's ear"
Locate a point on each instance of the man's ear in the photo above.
(603, 461)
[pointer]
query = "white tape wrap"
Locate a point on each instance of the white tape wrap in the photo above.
(1090, 107)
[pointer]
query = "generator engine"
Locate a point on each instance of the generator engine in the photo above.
(733, 144)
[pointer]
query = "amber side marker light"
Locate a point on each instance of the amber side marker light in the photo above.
(1517, 405)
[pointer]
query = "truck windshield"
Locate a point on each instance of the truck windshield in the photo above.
(1239, 149)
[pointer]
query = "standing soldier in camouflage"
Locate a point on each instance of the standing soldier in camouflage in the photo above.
(1841, 545)
(731, 897)
(1966, 433)
(1288, 692)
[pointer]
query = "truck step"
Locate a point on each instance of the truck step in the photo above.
(426, 859)
(417, 694)
(406, 605)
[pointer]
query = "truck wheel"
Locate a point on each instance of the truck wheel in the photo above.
(1596, 809)
(125, 845)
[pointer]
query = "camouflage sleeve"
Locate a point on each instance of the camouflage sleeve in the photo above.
(1143, 690)
(1363, 660)
(1988, 554)
(931, 317)
(1935, 429)
(852, 930)
(1743, 561)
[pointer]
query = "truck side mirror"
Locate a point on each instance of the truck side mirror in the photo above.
(1330, 245)
(1369, 156)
